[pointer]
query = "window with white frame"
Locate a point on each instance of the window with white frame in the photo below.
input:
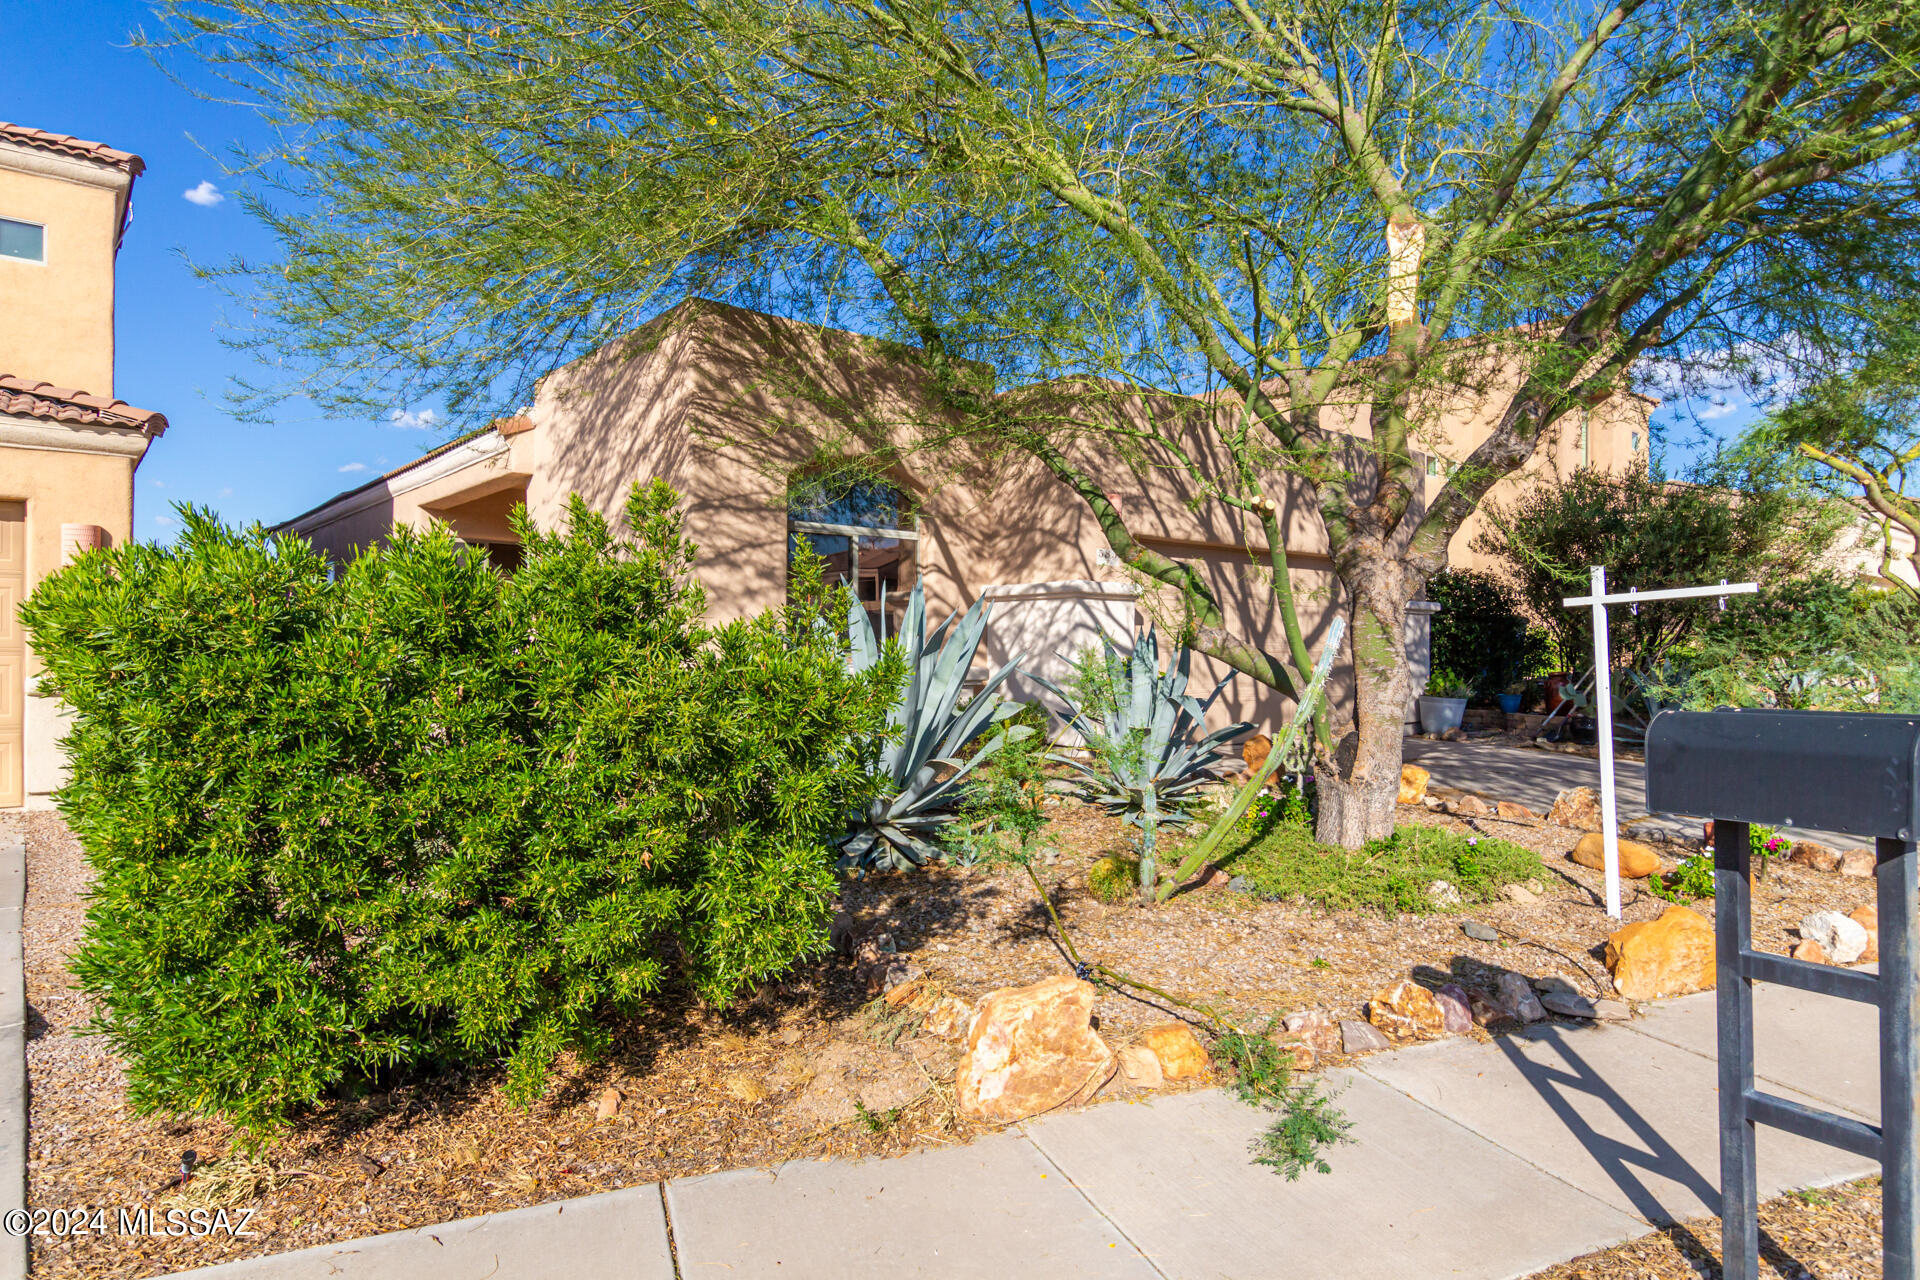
(868, 535)
(23, 241)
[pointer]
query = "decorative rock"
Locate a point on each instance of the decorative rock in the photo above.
(1486, 1012)
(1671, 956)
(1255, 751)
(1455, 734)
(1314, 1028)
(1031, 1049)
(1444, 894)
(1611, 1010)
(1809, 950)
(609, 1105)
(1515, 995)
(1637, 861)
(1857, 863)
(1576, 807)
(1515, 812)
(1180, 1053)
(913, 990)
(1569, 1004)
(948, 1018)
(1413, 783)
(1519, 895)
(1808, 853)
(1842, 937)
(1361, 1037)
(1209, 877)
(1469, 806)
(1433, 802)
(1300, 1055)
(1479, 932)
(1240, 884)
(1868, 918)
(1407, 1010)
(1456, 1007)
(1139, 1069)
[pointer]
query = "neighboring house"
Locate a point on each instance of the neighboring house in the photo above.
(68, 449)
(736, 409)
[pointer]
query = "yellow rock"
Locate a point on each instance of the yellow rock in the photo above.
(1413, 784)
(1637, 861)
(1670, 956)
(1407, 1009)
(1868, 918)
(1178, 1050)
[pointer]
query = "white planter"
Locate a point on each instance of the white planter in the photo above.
(1437, 715)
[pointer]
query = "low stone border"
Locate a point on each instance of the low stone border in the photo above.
(13, 1057)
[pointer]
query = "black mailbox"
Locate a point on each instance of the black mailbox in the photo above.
(1835, 772)
(1820, 769)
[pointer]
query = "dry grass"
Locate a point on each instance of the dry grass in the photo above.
(769, 1080)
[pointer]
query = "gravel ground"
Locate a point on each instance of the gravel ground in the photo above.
(1827, 1234)
(772, 1079)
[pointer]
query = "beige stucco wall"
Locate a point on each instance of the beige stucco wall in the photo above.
(57, 321)
(65, 474)
(727, 405)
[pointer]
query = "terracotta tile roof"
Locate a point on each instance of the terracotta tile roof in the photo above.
(79, 148)
(24, 399)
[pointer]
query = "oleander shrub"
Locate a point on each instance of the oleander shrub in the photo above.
(415, 813)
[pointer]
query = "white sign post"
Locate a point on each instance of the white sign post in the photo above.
(1603, 698)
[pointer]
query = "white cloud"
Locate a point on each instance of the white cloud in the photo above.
(409, 419)
(226, 493)
(1716, 409)
(157, 484)
(165, 522)
(354, 466)
(206, 195)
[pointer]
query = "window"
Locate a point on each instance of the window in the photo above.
(26, 241)
(864, 532)
(1636, 442)
(1433, 465)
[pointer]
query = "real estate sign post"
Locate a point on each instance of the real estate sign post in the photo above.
(1603, 698)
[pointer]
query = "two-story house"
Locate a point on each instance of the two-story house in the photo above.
(68, 449)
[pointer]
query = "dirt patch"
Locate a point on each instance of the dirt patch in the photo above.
(778, 1077)
(1833, 1233)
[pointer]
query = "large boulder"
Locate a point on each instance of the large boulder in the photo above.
(1032, 1049)
(1637, 861)
(1413, 784)
(1670, 956)
(1576, 807)
(1843, 938)
(1515, 996)
(1407, 1010)
(1858, 863)
(1315, 1029)
(1513, 811)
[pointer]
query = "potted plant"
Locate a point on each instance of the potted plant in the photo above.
(1509, 698)
(1444, 704)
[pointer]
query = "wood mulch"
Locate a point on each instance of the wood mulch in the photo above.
(1832, 1233)
(772, 1079)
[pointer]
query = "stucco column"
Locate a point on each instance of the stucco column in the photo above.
(1419, 655)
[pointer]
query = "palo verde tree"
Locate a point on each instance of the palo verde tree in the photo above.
(1312, 221)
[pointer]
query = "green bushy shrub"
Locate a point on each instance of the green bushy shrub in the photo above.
(417, 813)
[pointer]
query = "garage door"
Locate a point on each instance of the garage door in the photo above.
(13, 651)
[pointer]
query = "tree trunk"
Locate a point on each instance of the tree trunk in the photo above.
(1359, 783)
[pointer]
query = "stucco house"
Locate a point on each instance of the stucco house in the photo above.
(737, 409)
(68, 448)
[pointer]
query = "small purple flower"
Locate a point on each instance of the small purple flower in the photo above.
(1473, 839)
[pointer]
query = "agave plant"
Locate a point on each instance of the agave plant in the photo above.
(936, 722)
(1150, 753)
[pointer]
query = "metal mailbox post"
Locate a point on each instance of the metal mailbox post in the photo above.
(1838, 772)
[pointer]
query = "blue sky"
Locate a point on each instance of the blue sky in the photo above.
(70, 71)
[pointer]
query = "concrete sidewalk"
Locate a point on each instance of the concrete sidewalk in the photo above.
(1468, 1159)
